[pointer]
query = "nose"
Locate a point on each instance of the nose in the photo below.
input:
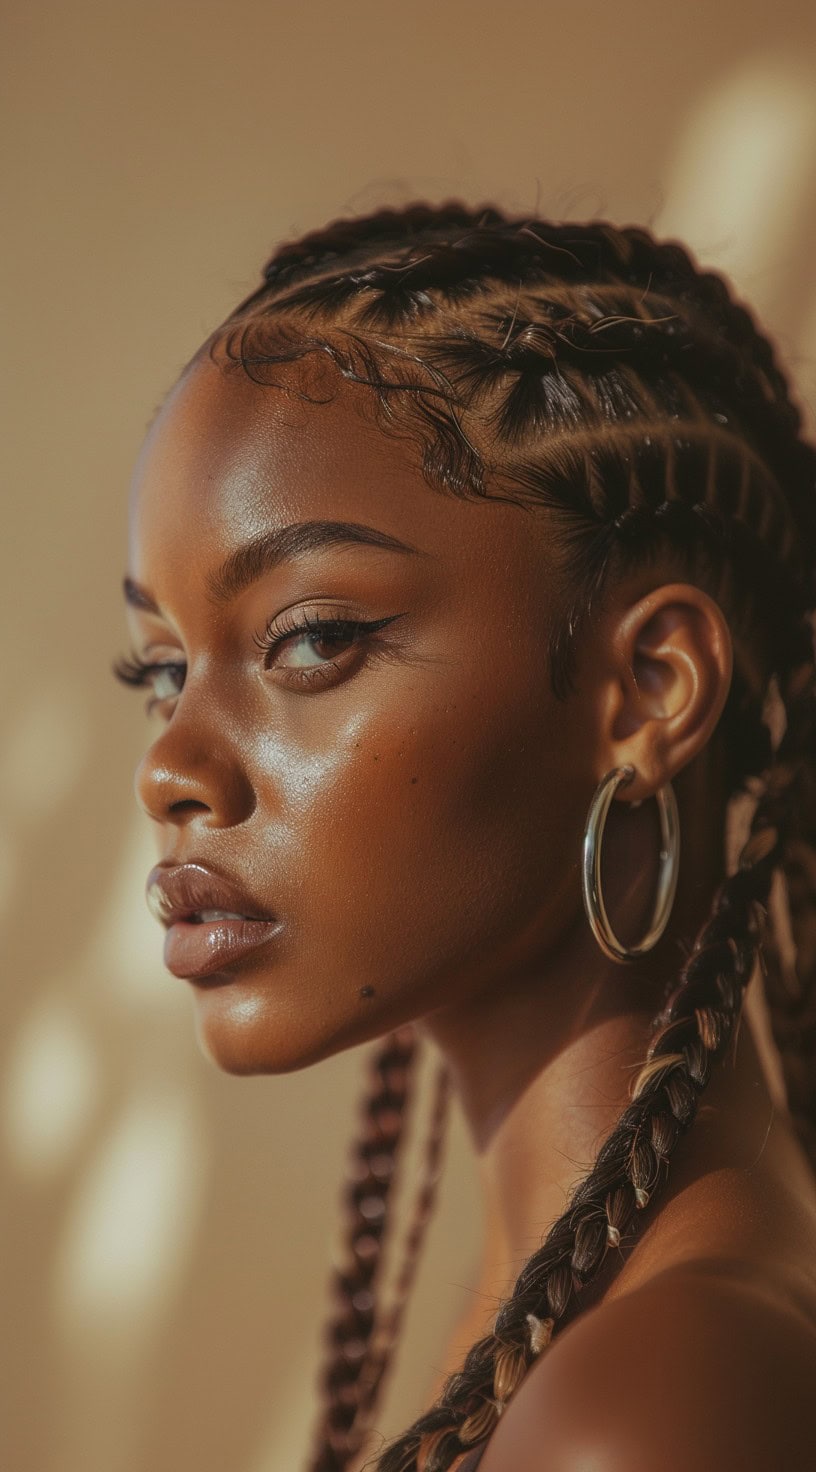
(187, 775)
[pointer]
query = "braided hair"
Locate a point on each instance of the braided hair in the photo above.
(601, 375)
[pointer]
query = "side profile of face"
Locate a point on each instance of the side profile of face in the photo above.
(394, 802)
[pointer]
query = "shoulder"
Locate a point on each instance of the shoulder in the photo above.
(700, 1370)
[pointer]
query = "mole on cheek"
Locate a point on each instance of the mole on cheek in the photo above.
(367, 991)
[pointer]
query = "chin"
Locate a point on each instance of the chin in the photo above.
(242, 1035)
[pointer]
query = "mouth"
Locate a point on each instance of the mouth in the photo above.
(211, 922)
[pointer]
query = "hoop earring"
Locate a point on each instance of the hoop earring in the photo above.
(591, 868)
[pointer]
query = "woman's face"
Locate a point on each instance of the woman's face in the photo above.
(394, 802)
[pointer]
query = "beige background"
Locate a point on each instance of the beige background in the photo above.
(167, 1229)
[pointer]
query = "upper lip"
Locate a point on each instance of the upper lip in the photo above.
(181, 891)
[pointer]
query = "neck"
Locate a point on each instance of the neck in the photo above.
(542, 1061)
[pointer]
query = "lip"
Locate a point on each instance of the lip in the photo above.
(177, 894)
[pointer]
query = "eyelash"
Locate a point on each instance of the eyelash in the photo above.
(136, 672)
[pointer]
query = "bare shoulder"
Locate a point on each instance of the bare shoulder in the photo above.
(700, 1370)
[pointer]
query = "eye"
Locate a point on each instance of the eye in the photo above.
(167, 680)
(164, 677)
(307, 651)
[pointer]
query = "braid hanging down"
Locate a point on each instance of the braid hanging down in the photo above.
(599, 375)
(360, 1336)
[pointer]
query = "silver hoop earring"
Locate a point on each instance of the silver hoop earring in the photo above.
(591, 870)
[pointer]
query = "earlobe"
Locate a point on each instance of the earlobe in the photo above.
(674, 658)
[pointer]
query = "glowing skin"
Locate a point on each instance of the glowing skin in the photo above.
(395, 816)
(414, 821)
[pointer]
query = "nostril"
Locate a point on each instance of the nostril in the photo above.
(181, 781)
(187, 805)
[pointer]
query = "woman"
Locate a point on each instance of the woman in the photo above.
(472, 562)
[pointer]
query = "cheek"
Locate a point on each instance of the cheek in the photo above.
(419, 843)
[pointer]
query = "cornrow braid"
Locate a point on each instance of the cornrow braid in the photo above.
(600, 376)
(343, 240)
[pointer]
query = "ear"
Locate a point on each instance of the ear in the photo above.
(669, 661)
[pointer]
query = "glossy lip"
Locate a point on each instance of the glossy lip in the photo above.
(178, 893)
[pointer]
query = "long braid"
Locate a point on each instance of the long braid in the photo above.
(388, 1329)
(356, 1282)
(695, 1029)
(599, 374)
(362, 1334)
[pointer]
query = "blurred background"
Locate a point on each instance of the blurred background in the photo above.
(167, 1230)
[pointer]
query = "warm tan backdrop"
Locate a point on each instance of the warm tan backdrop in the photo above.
(168, 1228)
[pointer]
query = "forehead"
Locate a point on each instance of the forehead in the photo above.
(228, 459)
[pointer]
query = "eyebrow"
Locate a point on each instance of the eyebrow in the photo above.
(248, 563)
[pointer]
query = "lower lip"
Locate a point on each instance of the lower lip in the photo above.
(192, 951)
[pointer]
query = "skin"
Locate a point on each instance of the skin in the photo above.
(415, 822)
